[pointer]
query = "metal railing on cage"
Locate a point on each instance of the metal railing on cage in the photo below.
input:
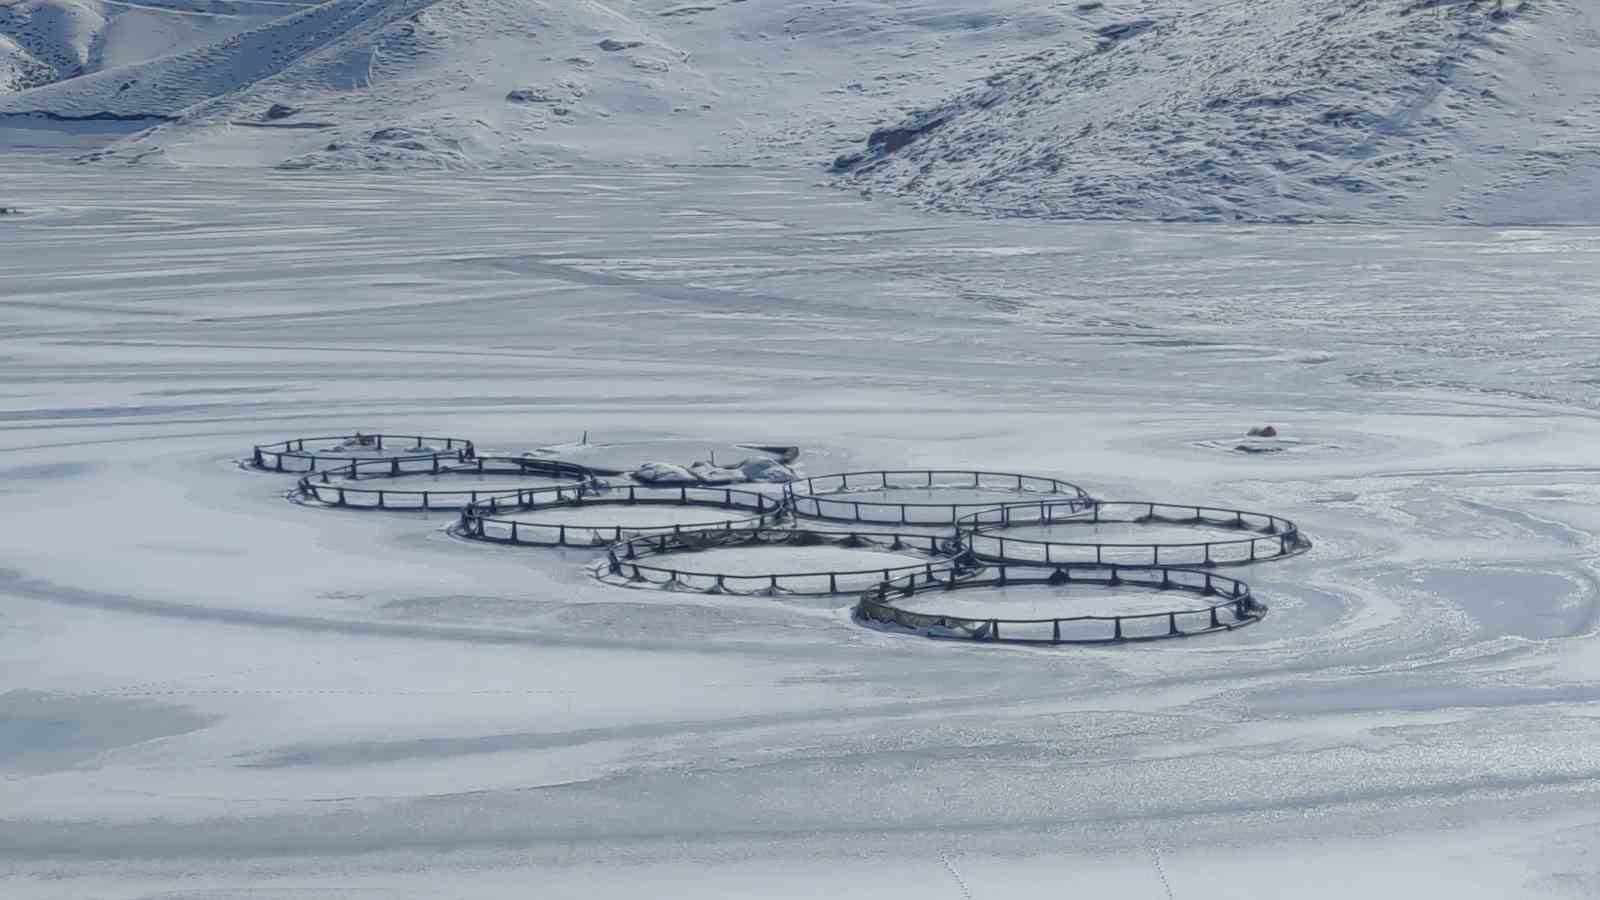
(292, 456)
(486, 521)
(639, 561)
(350, 484)
(827, 496)
(1236, 609)
(981, 534)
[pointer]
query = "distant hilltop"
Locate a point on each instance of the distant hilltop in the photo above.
(1270, 110)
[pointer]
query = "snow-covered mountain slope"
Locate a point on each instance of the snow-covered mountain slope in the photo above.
(167, 85)
(20, 69)
(46, 41)
(520, 82)
(1273, 109)
(60, 38)
(1153, 109)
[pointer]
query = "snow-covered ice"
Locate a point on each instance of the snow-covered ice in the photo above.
(1046, 601)
(208, 692)
(628, 516)
(764, 560)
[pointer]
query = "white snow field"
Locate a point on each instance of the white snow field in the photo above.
(208, 692)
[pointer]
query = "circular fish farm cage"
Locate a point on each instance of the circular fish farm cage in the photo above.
(919, 496)
(738, 562)
(555, 516)
(935, 607)
(371, 484)
(958, 554)
(402, 452)
(1026, 533)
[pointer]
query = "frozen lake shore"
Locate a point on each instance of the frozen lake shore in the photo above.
(207, 691)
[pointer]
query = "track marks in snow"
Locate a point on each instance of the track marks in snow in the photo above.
(955, 875)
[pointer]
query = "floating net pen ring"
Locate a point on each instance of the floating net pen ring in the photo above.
(409, 451)
(829, 496)
(667, 561)
(492, 519)
(1226, 604)
(984, 534)
(351, 485)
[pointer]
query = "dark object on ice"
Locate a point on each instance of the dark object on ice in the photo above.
(1258, 448)
(279, 111)
(10, 211)
(1121, 31)
(528, 95)
(1266, 431)
(784, 454)
(612, 45)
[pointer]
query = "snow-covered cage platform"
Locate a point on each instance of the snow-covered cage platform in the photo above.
(919, 496)
(670, 561)
(402, 452)
(555, 516)
(1223, 604)
(1024, 533)
(351, 485)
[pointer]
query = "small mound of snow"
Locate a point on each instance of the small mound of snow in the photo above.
(756, 469)
(711, 473)
(766, 470)
(664, 473)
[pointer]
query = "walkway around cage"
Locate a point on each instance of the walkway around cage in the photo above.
(483, 521)
(826, 496)
(348, 492)
(1236, 610)
(624, 561)
(292, 456)
(980, 534)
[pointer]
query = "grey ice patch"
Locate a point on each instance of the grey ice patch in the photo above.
(41, 732)
(44, 472)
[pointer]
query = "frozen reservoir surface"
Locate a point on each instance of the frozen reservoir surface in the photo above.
(208, 692)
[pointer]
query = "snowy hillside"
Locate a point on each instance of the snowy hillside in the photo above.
(46, 41)
(1150, 109)
(1273, 109)
(521, 83)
